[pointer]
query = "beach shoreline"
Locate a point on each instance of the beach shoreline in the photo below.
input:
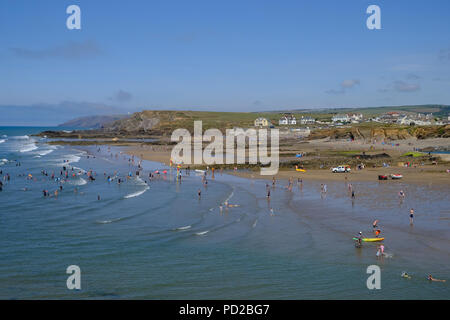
(425, 174)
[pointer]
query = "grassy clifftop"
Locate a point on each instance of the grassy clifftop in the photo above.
(164, 122)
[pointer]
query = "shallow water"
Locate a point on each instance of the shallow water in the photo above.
(156, 240)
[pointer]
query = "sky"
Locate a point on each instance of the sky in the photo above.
(218, 55)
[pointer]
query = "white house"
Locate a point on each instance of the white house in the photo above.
(307, 120)
(341, 118)
(355, 117)
(287, 119)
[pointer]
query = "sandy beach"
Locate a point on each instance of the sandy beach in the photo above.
(418, 173)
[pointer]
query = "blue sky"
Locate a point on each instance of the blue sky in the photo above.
(223, 55)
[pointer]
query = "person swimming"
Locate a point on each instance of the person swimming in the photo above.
(405, 275)
(430, 278)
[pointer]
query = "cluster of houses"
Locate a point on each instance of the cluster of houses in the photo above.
(348, 118)
(419, 119)
(285, 120)
(389, 117)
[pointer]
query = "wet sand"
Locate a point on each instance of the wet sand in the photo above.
(421, 175)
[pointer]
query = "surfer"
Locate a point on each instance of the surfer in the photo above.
(199, 192)
(359, 239)
(411, 216)
(375, 224)
(430, 278)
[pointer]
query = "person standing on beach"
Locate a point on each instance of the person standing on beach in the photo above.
(411, 216)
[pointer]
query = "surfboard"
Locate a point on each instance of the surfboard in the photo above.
(370, 239)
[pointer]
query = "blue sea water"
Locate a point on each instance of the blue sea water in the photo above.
(155, 239)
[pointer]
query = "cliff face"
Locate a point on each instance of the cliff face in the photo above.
(390, 134)
(92, 122)
(156, 122)
(432, 132)
(383, 133)
(337, 133)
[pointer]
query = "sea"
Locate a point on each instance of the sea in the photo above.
(156, 238)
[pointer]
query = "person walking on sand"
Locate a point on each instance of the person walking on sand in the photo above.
(411, 216)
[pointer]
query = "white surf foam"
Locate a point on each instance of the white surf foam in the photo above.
(78, 182)
(230, 196)
(28, 148)
(140, 181)
(2, 141)
(20, 137)
(108, 221)
(136, 194)
(183, 228)
(45, 152)
(202, 233)
(68, 159)
(79, 170)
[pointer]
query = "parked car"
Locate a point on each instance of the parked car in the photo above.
(341, 169)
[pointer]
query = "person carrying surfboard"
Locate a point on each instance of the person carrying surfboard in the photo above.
(359, 239)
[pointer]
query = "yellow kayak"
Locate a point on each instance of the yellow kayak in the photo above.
(300, 170)
(370, 239)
